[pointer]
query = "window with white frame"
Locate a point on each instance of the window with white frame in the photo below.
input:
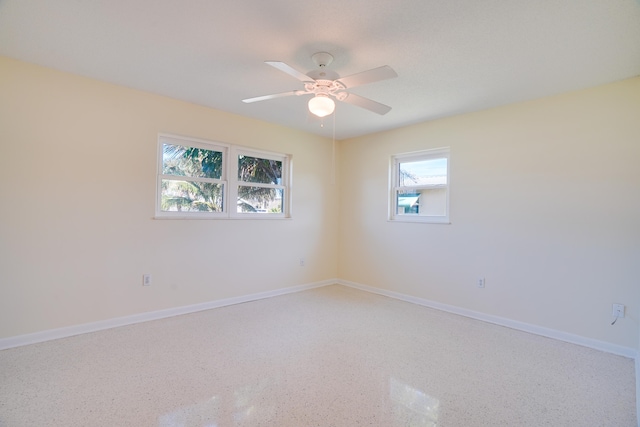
(202, 179)
(259, 187)
(420, 186)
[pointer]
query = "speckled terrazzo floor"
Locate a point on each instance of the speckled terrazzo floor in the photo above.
(332, 356)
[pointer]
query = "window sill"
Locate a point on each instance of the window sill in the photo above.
(220, 218)
(421, 220)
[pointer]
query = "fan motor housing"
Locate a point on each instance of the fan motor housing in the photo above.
(329, 87)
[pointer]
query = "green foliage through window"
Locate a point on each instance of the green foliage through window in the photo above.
(259, 198)
(187, 195)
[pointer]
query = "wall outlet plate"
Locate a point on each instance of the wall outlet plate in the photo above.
(618, 310)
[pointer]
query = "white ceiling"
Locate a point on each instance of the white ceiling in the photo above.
(452, 56)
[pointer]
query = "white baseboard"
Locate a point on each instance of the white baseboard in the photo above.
(513, 324)
(69, 331)
(170, 312)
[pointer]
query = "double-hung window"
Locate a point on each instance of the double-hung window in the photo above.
(201, 179)
(419, 190)
(259, 186)
(192, 180)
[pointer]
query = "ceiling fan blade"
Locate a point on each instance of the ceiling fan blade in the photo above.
(275, 95)
(366, 103)
(290, 70)
(370, 76)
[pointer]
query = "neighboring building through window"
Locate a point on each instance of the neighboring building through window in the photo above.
(420, 186)
(202, 179)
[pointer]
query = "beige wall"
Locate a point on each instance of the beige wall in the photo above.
(77, 188)
(545, 204)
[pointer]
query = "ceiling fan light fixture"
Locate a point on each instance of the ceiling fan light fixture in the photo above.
(321, 105)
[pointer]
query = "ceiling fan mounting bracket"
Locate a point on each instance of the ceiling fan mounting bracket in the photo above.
(322, 59)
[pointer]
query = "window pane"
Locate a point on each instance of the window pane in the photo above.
(264, 171)
(191, 161)
(259, 199)
(424, 172)
(427, 202)
(187, 196)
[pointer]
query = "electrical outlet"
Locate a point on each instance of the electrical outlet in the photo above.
(618, 310)
(146, 280)
(480, 282)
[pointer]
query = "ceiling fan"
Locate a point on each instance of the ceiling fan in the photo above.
(324, 85)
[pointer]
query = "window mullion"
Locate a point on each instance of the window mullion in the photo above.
(232, 169)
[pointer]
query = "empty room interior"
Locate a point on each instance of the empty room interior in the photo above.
(451, 238)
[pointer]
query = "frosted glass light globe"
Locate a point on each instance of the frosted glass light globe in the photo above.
(321, 105)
